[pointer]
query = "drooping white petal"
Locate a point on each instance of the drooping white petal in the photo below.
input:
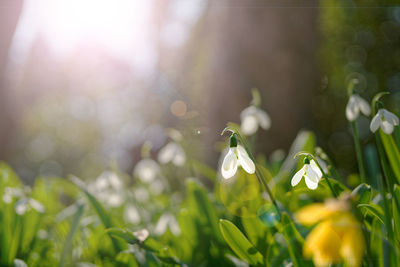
(146, 170)
(316, 169)
(375, 123)
(249, 111)
(352, 110)
(167, 153)
(311, 174)
(36, 205)
(172, 152)
(249, 125)
(297, 177)
(141, 235)
(244, 160)
(390, 117)
(263, 119)
(363, 106)
(387, 127)
(179, 157)
(229, 165)
(310, 184)
(131, 214)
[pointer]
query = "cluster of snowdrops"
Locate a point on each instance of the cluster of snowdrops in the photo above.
(253, 210)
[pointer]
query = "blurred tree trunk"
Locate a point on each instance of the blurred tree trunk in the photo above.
(269, 45)
(10, 11)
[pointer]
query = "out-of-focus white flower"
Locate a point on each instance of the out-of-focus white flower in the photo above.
(108, 188)
(141, 194)
(109, 179)
(146, 170)
(385, 120)
(157, 187)
(355, 105)
(21, 206)
(174, 134)
(114, 199)
(167, 220)
(172, 152)
(141, 235)
(36, 205)
(131, 214)
(10, 193)
(311, 172)
(42, 234)
(236, 156)
(252, 118)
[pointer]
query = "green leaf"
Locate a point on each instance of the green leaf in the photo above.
(255, 231)
(392, 153)
(293, 239)
(396, 213)
(202, 207)
(363, 193)
(123, 234)
(71, 233)
(239, 243)
(376, 242)
(105, 219)
(126, 259)
(374, 209)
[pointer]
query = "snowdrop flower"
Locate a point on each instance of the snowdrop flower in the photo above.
(167, 220)
(236, 156)
(172, 152)
(311, 172)
(22, 206)
(108, 188)
(252, 118)
(131, 214)
(146, 170)
(385, 120)
(141, 235)
(355, 105)
(36, 205)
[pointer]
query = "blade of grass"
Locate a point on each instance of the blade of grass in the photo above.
(239, 243)
(71, 233)
(105, 219)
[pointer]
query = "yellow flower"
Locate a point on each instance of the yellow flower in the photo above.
(337, 236)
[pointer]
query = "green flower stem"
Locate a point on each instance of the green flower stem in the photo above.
(384, 163)
(360, 159)
(259, 174)
(334, 193)
(386, 206)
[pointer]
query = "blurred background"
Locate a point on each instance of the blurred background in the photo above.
(83, 84)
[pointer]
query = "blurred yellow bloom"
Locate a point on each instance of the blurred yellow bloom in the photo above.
(337, 236)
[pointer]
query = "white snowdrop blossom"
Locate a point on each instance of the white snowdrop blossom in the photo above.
(355, 105)
(36, 205)
(236, 156)
(146, 170)
(311, 172)
(26, 203)
(22, 206)
(172, 152)
(141, 235)
(167, 220)
(385, 120)
(252, 118)
(108, 188)
(131, 214)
